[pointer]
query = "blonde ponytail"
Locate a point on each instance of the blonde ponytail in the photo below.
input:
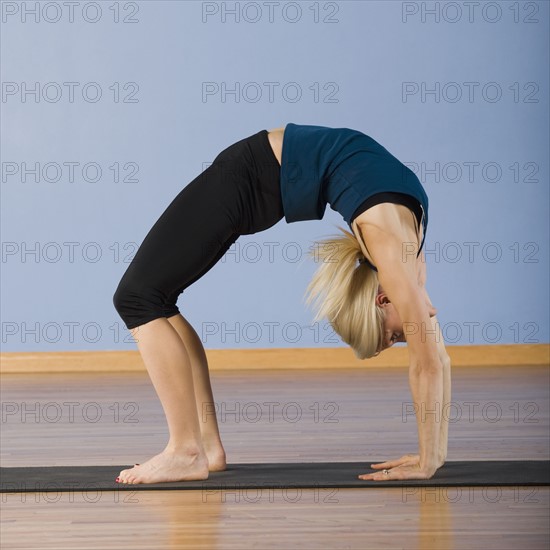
(344, 291)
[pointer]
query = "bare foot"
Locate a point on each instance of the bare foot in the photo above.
(167, 466)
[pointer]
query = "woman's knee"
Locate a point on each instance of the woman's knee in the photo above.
(138, 303)
(122, 297)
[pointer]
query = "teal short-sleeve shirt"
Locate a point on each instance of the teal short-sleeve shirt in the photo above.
(340, 167)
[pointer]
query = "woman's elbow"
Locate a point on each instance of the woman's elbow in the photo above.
(427, 367)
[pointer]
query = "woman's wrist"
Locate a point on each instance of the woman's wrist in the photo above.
(429, 470)
(430, 465)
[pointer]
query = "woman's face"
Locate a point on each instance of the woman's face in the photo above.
(393, 326)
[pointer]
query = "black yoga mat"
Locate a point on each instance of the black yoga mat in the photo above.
(277, 476)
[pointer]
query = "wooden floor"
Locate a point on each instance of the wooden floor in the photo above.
(348, 415)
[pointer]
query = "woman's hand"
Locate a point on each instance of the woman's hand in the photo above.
(406, 467)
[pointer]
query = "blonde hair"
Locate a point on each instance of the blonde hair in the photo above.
(344, 291)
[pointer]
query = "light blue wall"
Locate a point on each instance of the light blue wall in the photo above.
(363, 58)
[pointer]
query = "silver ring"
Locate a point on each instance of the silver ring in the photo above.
(386, 472)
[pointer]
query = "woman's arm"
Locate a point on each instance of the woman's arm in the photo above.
(445, 362)
(445, 412)
(385, 234)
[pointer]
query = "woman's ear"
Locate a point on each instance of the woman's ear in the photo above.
(382, 298)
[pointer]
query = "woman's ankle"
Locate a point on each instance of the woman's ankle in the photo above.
(185, 449)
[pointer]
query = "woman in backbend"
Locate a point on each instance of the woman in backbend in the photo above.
(370, 284)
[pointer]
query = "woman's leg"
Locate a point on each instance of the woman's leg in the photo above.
(210, 435)
(238, 194)
(181, 379)
(184, 243)
(169, 367)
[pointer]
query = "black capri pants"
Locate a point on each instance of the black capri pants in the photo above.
(238, 194)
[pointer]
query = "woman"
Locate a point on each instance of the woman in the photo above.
(370, 284)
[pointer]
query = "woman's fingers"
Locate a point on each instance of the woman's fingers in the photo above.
(378, 476)
(412, 471)
(388, 464)
(394, 463)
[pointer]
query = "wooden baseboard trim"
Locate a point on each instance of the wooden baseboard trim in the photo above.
(272, 358)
